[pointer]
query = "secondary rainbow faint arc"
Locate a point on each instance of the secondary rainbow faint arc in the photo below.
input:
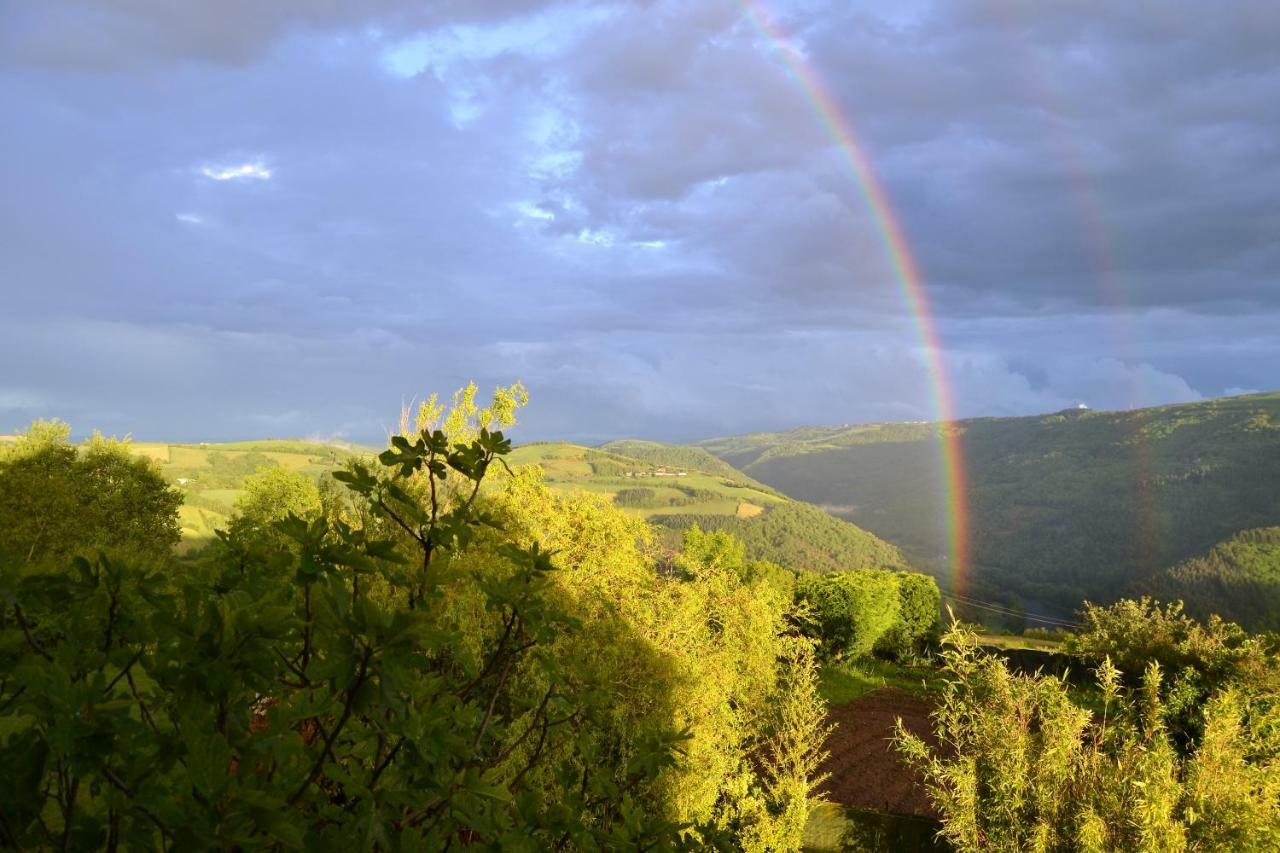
(906, 271)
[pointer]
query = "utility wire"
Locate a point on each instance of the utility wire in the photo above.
(1006, 611)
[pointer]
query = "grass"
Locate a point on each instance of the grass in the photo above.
(842, 682)
(1013, 641)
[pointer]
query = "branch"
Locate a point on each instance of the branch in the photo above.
(120, 785)
(26, 630)
(122, 673)
(333, 734)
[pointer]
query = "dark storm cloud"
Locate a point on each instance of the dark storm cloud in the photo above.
(243, 218)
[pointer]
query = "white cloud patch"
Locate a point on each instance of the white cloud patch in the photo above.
(189, 218)
(255, 170)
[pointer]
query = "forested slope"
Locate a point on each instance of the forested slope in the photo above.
(1067, 506)
(660, 487)
(1240, 577)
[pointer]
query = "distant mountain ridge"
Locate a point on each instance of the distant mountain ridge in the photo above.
(1066, 506)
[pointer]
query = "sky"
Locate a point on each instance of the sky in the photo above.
(245, 219)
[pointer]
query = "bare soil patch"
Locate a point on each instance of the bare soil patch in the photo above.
(866, 772)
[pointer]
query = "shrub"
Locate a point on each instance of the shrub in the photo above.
(919, 618)
(1022, 767)
(849, 612)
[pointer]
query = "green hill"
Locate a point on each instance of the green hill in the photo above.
(210, 475)
(679, 456)
(1073, 505)
(1240, 576)
(673, 496)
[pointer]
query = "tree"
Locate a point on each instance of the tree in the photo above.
(57, 500)
(849, 612)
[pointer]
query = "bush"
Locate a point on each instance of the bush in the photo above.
(1022, 767)
(849, 612)
(919, 618)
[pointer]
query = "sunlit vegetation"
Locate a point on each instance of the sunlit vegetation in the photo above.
(452, 642)
(405, 661)
(1178, 750)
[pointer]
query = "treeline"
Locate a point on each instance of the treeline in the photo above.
(642, 498)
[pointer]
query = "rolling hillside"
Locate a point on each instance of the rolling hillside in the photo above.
(1072, 505)
(210, 475)
(674, 496)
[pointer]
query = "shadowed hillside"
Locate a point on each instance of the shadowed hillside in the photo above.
(1077, 504)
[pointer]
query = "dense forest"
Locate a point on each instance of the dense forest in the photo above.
(1064, 507)
(432, 647)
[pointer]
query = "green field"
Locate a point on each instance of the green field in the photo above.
(210, 476)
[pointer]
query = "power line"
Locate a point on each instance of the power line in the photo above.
(1006, 611)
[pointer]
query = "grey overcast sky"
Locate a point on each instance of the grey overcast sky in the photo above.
(254, 218)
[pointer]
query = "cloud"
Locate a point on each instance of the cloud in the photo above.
(633, 207)
(255, 170)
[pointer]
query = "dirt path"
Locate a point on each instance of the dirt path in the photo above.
(865, 770)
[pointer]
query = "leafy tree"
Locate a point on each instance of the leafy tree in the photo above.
(57, 499)
(718, 659)
(271, 496)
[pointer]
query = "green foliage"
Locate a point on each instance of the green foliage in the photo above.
(635, 497)
(320, 701)
(853, 613)
(849, 612)
(919, 617)
(800, 537)
(1200, 658)
(423, 663)
(1062, 507)
(58, 500)
(271, 496)
(716, 656)
(1022, 767)
(1239, 577)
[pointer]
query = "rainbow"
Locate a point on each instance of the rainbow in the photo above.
(906, 272)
